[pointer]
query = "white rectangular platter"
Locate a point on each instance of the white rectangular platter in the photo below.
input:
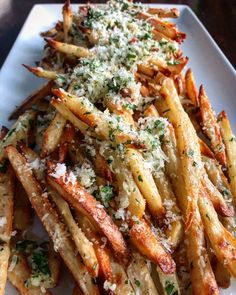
(208, 63)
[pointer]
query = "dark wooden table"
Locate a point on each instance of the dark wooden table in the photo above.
(218, 16)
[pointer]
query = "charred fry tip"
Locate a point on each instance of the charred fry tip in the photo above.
(202, 91)
(222, 115)
(66, 6)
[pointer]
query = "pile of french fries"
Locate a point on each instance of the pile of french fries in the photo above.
(135, 198)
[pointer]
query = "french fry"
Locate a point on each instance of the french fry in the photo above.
(167, 29)
(23, 212)
(83, 245)
(145, 183)
(69, 49)
(83, 202)
(6, 218)
(40, 72)
(230, 144)
(188, 147)
(18, 132)
(221, 274)
(53, 135)
(120, 280)
(222, 242)
(145, 241)
(89, 114)
(163, 13)
(139, 275)
(168, 282)
(191, 88)
(19, 272)
(67, 114)
(217, 198)
(77, 291)
(205, 150)
(202, 276)
(51, 221)
(54, 263)
(32, 99)
(211, 127)
(101, 250)
(67, 19)
(67, 138)
(125, 183)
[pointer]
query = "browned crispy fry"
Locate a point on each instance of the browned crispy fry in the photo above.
(88, 113)
(51, 221)
(163, 13)
(230, 144)
(53, 135)
(168, 29)
(146, 70)
(217, 198)
(22, 209)
(211, 127)
(77, 291)
(221, 274)
(83, 202)
(205, 150)
(69, 49)
(191, 88)
(40, 72)
(101, 250)
(19, 273)
(222, 242)
(170, 69)
(67, 114)
(39, 94)
(159, 36)
(145, 241)
(101, 167)
(67, 19)
(67, 138)
(54, 263)
(18, 132)
(3, 132)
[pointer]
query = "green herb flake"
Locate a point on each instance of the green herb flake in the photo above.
(140, 178)
(137, 283)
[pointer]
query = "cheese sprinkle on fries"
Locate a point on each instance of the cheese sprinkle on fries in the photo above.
(123, 161)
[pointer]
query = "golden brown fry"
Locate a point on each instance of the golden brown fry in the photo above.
(101, 250)
(40, 72)
(67, 114)
(221, 274)
(191, 88)
(20, 273)
(120, 280)
(168, 29)
(145, 183)
(88, 113)
(18, 132)
(23, 212)
(188, 147)
(4, 263)
(32, 99)
(139, 275)
(83, 245)
(67, 19)
(205, 150)
(163, 13)
(230, 144)
(145, 241)
(202, 276)
(53, 135)
(51, 221)
(69, 49)
(83, 202)
(222, 242)
(67, 138)
(211, 127)
(217, 198)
